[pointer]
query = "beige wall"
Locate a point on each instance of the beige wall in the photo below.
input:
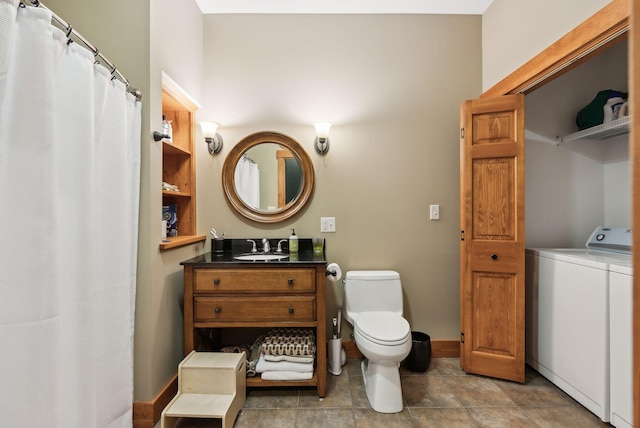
(175, 49)
(515, 31)
(392, 86)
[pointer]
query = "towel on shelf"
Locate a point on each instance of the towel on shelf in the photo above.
(236, 349)
(287, 366)
(285, 375)
(291, 342)
(254, 356)
(290, 358)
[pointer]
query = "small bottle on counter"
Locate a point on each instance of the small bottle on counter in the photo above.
(293, 242)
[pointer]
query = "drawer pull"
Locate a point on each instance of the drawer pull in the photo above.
(291, 310)
(494, 256)
(290, 281)
(217, 310)
(216, 281)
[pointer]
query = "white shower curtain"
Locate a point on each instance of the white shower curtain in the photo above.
(247, 179)
(69, 197)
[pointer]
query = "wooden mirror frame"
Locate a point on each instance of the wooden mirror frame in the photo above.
(229, 185)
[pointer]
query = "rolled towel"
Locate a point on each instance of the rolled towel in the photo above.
(286, 375)
(266, 366)
(291, 358)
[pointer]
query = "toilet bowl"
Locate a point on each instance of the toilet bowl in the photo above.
(373, 306)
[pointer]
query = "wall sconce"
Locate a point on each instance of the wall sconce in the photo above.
(211, 137)
(322, 137)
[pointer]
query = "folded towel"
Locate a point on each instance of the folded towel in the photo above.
(290, 358)
(266, 366)
(289, 341)
(285, 375)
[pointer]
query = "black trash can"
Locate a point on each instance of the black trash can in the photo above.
(419, 357)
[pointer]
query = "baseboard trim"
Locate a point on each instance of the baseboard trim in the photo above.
(439, 349)
(147, 413)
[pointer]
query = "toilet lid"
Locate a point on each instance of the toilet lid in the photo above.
(383, 328)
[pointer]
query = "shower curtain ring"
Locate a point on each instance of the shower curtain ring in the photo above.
(69, 31)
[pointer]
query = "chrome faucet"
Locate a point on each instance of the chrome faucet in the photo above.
(279, 250)
(265, 245)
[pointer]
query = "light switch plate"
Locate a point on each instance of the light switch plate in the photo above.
(434, 212)
(327, 224)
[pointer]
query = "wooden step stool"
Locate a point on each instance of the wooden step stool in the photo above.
(210, 385)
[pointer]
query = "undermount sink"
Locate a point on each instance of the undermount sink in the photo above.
(260, 257)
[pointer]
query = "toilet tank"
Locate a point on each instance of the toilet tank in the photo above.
(372, 290)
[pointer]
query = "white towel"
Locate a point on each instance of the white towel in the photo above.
(266, 366)
(286, 375)
(291, 358)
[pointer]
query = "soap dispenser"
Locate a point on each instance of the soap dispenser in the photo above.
(293, 242)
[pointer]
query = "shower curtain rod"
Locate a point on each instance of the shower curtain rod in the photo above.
(115, 73)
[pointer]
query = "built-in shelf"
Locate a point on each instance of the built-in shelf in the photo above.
(600, 132)
(174, 193)
(178, 164)
(170, 149)
(179, 241)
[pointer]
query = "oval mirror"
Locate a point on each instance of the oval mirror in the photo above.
(267, 177)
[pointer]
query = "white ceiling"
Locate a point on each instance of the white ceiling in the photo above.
(463, 7)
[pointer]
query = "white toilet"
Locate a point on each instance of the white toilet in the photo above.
(373, 306)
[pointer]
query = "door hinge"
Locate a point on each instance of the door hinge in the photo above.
(461, 337)
(461, 132)
(462, 235)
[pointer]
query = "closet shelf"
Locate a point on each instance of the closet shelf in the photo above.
(600, 132)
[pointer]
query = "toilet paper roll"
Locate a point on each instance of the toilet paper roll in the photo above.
(334, 273)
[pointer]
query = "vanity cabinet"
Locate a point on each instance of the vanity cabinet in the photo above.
(221, 293)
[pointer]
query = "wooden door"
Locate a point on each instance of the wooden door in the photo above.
(492, 237)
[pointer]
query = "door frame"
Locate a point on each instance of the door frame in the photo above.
(610, 25)
(607, 27)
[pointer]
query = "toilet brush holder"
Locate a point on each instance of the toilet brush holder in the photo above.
(334, 360)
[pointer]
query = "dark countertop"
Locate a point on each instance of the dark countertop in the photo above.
(233, 247)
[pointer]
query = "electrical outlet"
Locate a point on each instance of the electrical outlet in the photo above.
(327, 224)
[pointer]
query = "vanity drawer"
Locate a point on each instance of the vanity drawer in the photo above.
(254, 280)
(249, 309)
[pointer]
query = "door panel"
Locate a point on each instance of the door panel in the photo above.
(492, 237)
(493, 206)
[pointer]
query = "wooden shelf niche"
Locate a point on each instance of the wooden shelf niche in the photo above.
(179, 164)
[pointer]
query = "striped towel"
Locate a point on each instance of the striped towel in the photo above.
(292, 342)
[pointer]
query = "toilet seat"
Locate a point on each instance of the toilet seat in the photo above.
(383, 328)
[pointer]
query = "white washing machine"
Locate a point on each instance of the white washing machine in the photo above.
(567, 337)
(620, 334)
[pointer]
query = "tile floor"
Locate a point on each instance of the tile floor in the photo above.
(444, 396)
